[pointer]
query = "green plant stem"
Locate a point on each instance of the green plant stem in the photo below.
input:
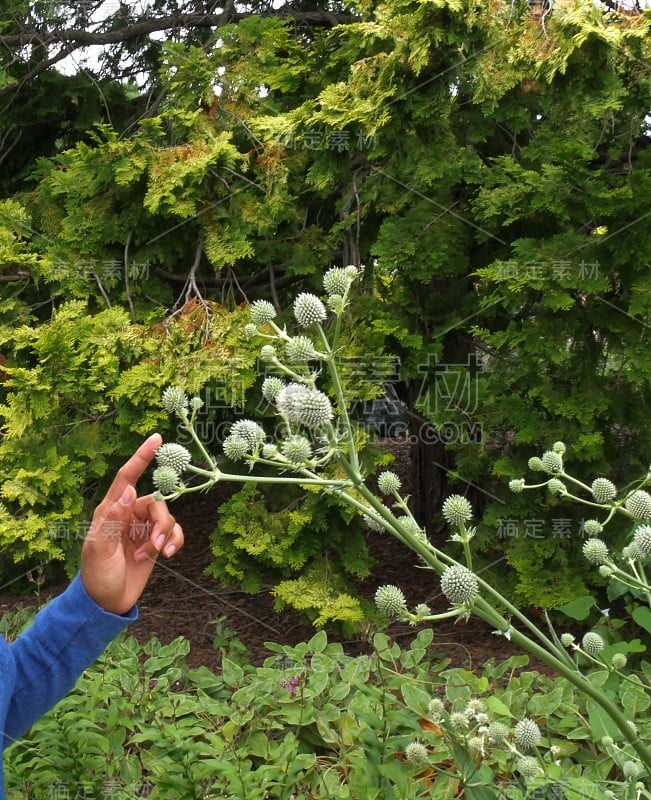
(189, 426)
(217, 475)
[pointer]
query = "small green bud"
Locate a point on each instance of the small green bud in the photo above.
(422, 610)
(299, 349)
(435, 709)
(296, 449)
(552, 461)
(631, 770)
(535, 464)
(566, 639)
(390, 600)
(459, 720)
(250, 330)
(619, 660)
(605, 571)
(497, 731)
(235, 448)
(271, 388)
(336, 281)
(596, 551)
(607, 741)
(592, 643)
(336, 303)
(528, 767)
(262, 311)
(250, 431)
(268, 352)
(174, 456)
(165, 479)
(269, 451)
(196, 403)
(559, 447)
(517, 485)
(556, 487)
(632, 552)
(412, 526)
(592, 527)
(174, 400)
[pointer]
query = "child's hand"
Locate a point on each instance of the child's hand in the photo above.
(126, 536)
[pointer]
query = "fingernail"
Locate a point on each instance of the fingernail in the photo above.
(159, 541)
(142, 556)
(125, 500)
(169, 551)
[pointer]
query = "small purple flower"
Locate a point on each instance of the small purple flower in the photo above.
(152, 685)
(292, 684)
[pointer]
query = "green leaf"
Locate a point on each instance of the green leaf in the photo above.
(580, 608)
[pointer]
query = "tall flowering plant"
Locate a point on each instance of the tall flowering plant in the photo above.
(318, 446)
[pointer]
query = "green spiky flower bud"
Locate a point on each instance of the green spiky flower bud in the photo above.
(497, 731)
(618, 660)
(196, 403)
(422, 611)
(336, 281)
(559, 447)
(174, 400)
(235, 448)
(435, 709)
(269, 451)
(353, 272)
(639, 505)
(527, 734)
(459, 584)
(388, 482)
(517, 485)
(308, 310)
(299, 349)
(372, 524)
(592, 643)
(268, 352)
(250, 330)
(596, 551)
(457, 509)
(459, 720)
(556, 487)
(603, 490)
(390, 600)
(174, 456)
(605, 571)
(262, 311)
(566, 639)
(552, 461)
(642, 539)
(271, 388)
(296, 449)
(313, 409)
(632, 552)
(535, 464)
(336, 303)
(416, 754)
(412, 527)
(250, 431)
(165, 479)
(592, 527)
(631, 770)
(528, 767)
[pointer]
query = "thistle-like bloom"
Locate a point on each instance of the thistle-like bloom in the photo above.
(372, 524)
(235, 448)
(639, 505)
(196, 403)
(388, 482)
(336, 303)
(336, 281)
(497, 731)
(527, 734)
(528, 767)
(596, 551)
(556, 487)
(459, 584)
(535, 464)
(603, 490)
(271, 388)
(308, 309)
(422, 611)
(456, 510)
(268, 352)
(559, 447)
(435, 709)
(642, 539)
(312, 409)
(165, 479)
(631, 769)
(174, 400)
(262, 311)
(269, 451)
(250, 431)
(299, 349)
(618, 660)
(173, 455)
(416, 754)
(592, 643)
(250, 330)
(517, 485)
(287, 398)
(632, 552)
(390, 600)
(592, 527)
(566, 639)
(459, 720)
(296, 449)
(552, 461)
(413, 527)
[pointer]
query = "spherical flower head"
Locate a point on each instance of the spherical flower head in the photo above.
(607, 741)
(639, 505)
(556, 487)
(535, 464)
(268, 352)
(416, 754)
(271, 388)
(566, 639)
(390, 600)
(517, 485)
(631, 769)
(459, 584)
(262, 311)
(592, 643)
(422, 611)
(388, 482)
(299, 349)
(457, 510)
(336, 303)
(174, 456)
(527, 734)
(476, 745)
(196, 403)
(309, 310)
(559, 447)
(287, 398)
(552, 461)
(435, 709)
(596, 551)
(269, 451)
(354, 272)
(632, 552)
(413, 527)
(528, 767)
(296, 449)
(459, 720)
(497, 731)
(606, 571)
(235, 448)
(250, 330)
(313, 409)
(603, 490)
(250, 431)
(336, 281)
(174, 400)
(475, 706)
(618, 660)
(642, 539)
(592, 527)
(165, 479)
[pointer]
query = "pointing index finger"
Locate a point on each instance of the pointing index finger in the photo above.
(133, 469)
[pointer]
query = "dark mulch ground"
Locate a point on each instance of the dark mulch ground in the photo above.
(181, 600)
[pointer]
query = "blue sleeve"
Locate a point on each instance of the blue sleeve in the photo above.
(66, 637)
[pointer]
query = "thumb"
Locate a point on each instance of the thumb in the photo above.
(112, 523)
